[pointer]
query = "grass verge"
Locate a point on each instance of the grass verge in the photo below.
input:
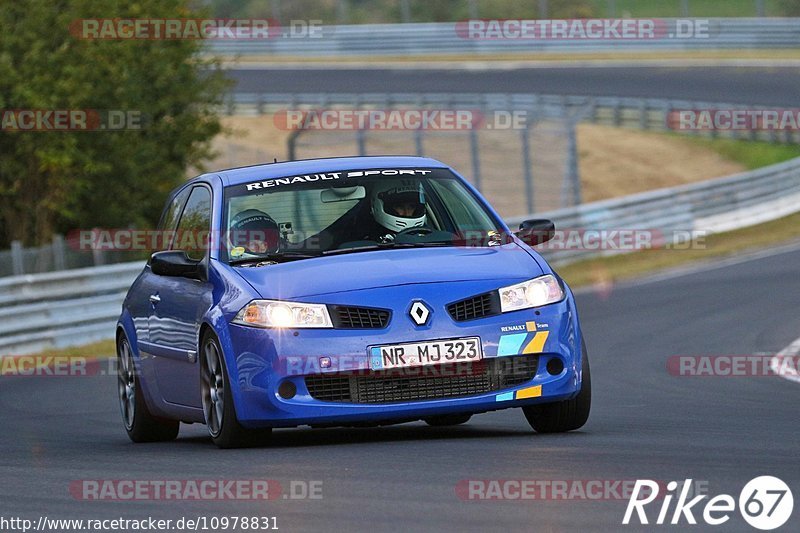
(750, 154)
(101, 349)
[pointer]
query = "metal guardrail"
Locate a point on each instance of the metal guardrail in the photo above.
(421, 39)
(712, 206)
(639, 113)
(59, 309)
(43, 311)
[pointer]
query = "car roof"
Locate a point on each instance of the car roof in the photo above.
(237, 176)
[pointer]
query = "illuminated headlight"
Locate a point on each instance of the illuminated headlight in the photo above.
(274, 314)
(533, 293)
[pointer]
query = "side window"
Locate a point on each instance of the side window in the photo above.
(169, 219)
(462, 207)
(195, 225)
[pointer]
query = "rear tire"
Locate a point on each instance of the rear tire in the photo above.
(447, 420)
(567, 415)
(218, 409)
(140, 424)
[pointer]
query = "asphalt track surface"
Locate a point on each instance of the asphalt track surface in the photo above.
(645, 423)
(776, 86)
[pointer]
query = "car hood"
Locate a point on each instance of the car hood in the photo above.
(386, 268)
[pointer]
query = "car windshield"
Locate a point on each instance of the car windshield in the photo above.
(310, 215)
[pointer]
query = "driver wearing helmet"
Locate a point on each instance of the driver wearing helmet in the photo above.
(396, 205)
(254, 233)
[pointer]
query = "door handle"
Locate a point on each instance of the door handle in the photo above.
(154, 299)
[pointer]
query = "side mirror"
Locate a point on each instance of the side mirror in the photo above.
(536, 231)
(175, 263)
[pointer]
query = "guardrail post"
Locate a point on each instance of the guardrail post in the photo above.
(342, 11)
(473, 9)
(527, 172)
(476, 162)
(612, 9)
(97, 254)
(276, 10)
(643, 122)
(543, 9)
(291, 144)
(571, 186)
(684, 8)
(405, 11)
(760, 11)
(362, 141)
(418, 133)
(59, 262)
(617, 112)
(17, 264)
(418, 142)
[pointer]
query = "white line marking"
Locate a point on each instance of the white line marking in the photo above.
(790, 372)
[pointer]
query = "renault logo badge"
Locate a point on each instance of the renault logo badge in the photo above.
(419, 313)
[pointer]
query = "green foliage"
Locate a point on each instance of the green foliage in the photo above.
(54, 181)
(751, 154)
(789, 8)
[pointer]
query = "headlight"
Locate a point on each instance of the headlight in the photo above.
(533, 293)
(275, 314)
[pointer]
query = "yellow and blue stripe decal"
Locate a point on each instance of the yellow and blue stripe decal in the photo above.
(523, 343)
(521, 394)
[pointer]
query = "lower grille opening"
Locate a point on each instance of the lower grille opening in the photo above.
(423, 383)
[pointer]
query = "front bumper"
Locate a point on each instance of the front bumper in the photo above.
(263, 359)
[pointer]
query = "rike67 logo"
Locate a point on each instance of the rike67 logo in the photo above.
(765, 503)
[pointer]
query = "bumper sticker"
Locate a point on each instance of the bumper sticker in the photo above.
(511, 344)
(505, 396)
(530, 392)
(533, 342)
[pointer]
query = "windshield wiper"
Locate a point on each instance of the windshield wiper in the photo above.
(387, 246)
(275, 257)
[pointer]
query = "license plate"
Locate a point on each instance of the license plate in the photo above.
(425, 353)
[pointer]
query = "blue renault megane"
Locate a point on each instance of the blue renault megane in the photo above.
(344, 291)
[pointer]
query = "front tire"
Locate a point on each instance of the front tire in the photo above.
(140, 424)
(218, 409)
(567, 415)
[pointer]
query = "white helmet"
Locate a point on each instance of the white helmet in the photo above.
(398, 205)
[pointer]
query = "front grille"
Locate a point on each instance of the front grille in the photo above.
(480, 306)
(423, 383)
(344, 317)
